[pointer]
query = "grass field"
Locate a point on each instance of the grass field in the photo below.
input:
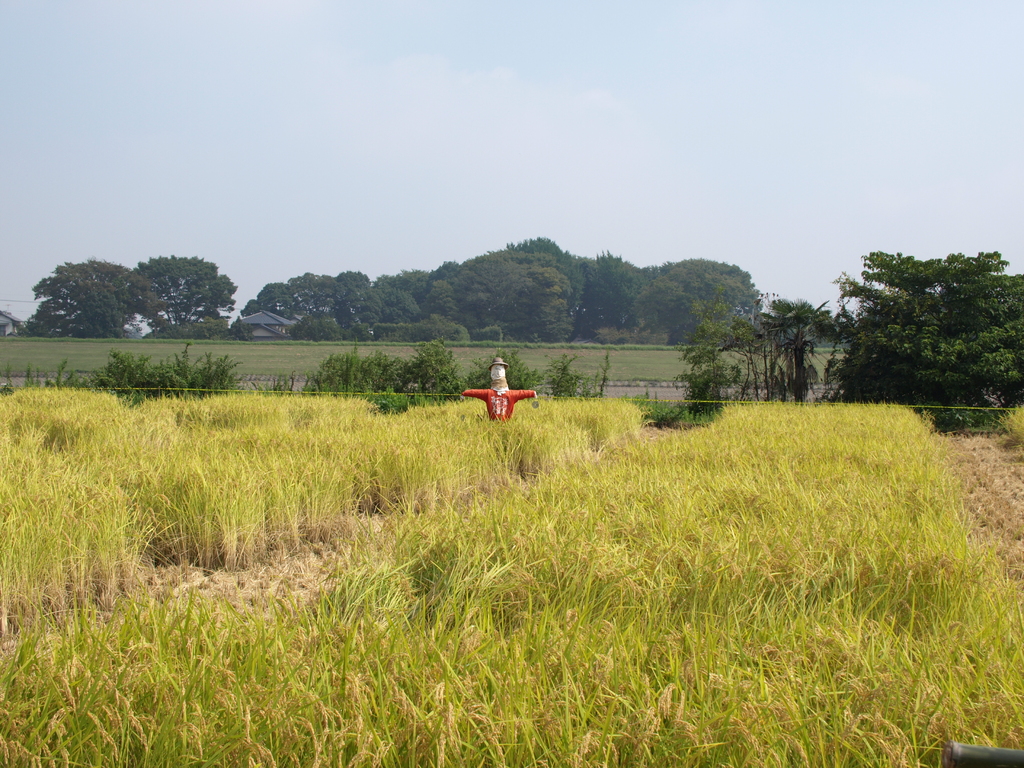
(789, 586)
(274, 358)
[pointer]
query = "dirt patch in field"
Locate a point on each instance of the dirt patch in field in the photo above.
(297, 574)
(992, 472)
(301, 572)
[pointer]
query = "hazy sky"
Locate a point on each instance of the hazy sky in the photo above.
(281, 137)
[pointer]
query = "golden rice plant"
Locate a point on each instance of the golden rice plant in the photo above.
(1014, 425)
(94, 485)
(67, 533)
(790, 586)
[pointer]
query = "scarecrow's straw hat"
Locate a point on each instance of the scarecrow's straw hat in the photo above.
(497, 361)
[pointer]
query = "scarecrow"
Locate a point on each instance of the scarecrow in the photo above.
(499, 398)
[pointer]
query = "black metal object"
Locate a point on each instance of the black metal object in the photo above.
(956, 755)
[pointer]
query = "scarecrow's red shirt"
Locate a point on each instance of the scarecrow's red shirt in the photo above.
(500, 406)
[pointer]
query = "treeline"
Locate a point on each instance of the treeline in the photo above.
(940, 332)
(531, 291)
(943, 333)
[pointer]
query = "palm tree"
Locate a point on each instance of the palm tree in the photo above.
(792, 328)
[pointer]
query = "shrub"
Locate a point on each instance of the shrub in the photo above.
(341, 372)
(433, 370)
(433, 327)
(709, 373)
(241, 331)
(565, 381)
(312, 328)
(350, 373)
(490, 333)
(207, 328)
(135, 377)
(669, 414)
(963, 419)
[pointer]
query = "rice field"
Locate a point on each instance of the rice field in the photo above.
(788, 586)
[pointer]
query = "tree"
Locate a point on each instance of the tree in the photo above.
(570, 265)
(792, 327)
(609, 294)
(316, 328)
(524, 294)
(441, 300)
(709, 375)
(449, 271)
(92, 300)
(668, 302)
(355, 303)
(759, 354)
(191, 289)
(273, 297)
(432, 370)
(415, 282)
(311, 294)
(307, 294)
(939, 331)
(397, 305)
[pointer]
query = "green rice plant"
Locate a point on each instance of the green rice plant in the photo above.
(948, 419)
(670, 414)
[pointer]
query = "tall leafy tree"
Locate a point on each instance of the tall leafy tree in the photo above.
(397, 304)
(92, 300)
(524, 294)
(449, 271)
(441, 300)
(311, 294)
(611, 288)
(568, 264)
(191, 289)
(938, 331)
(307, 294)
(355, 302)
(668, 303)
(415, 282)
(273, 297)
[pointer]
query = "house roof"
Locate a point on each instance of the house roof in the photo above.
(271, 330)
(267, 318)
(9, 316)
